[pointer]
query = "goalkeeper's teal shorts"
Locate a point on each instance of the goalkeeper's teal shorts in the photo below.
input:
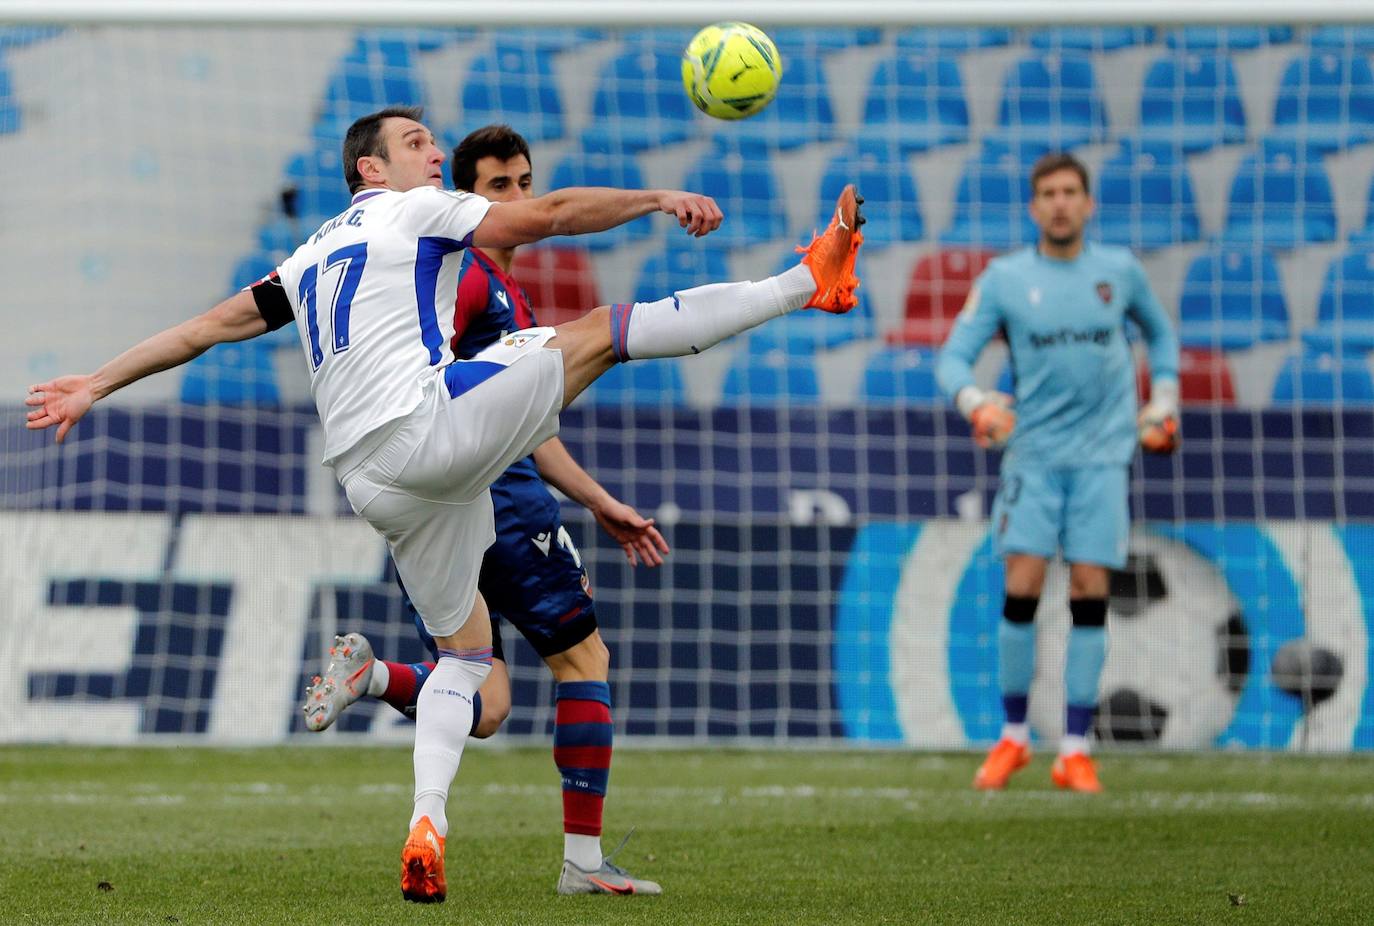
(1083, 511)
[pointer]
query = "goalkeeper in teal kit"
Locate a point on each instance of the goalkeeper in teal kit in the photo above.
(1070, 434)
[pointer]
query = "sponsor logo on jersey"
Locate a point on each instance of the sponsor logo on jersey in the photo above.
(542, 541)
(1034, 295)
(1098, 336)
(1104, 292)
(501, 298)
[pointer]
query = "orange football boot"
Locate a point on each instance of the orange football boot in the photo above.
(422, 864)
(1006, 758)
(1076, 772)
(830, 255)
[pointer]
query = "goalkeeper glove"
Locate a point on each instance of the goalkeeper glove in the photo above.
(1158, 420)
(990, 414)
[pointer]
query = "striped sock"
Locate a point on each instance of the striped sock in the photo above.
(404, 681)
(582, 752)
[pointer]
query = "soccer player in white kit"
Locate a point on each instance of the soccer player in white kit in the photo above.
(416, 437)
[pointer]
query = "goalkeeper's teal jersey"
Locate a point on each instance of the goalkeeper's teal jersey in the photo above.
(1065, 323)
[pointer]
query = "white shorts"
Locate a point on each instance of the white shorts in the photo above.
(421, 481)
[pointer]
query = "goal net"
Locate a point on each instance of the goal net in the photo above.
(180, 563)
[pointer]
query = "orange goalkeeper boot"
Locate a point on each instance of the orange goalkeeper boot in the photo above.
(1005, 759)
(830, 255)
(422, 864)
(1076, 772)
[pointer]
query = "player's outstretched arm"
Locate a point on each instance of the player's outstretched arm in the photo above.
(64, 401)
(583, 210)
(636, 534)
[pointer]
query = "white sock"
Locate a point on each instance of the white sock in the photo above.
(582, 851)
(1017, 733)
(694, 319)
(1072, 743)
(443, 718)
(381, 677)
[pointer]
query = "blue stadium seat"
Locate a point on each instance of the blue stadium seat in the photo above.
(681, 264)
(1145, 198)
(742, 181)
(1324, 379)
(514, 83)
(801, 112)
(916, 101)
(423, 38)
(803, 42)
(891, 205)
(551, 39)
(281, 236)
(11, 117)
(594, 168)
(1281, 198)
(1345, 314)
(639, 102)
(1053, 98)
(952, 39)
(24, 36)
(777, 377)
(250, 269)
(900, 376)
(1327, 100)
(1192, 100)
(990, 201)
(236, 373)
(378, 71)
(1350, 38)
(318, 181)
(1232, 299)
(642, 383)
(1102, 38)
(670, 39)
(1234, 38)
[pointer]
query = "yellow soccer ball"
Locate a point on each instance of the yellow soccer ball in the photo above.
(731, 70)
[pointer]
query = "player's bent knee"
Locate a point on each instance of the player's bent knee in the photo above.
(493, 716)
(1020, 609)
(587, 661)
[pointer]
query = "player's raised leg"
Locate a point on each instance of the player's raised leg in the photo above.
(692, 320)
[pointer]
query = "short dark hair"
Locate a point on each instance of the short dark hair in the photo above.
(1054, 162)
(490, 141)
(364, 140)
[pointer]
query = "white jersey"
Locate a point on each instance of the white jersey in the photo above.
(372, 293)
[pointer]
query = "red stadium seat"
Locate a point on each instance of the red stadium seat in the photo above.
(559, 281)
(1204, 377)
(939, 286)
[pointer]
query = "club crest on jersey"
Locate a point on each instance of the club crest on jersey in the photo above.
(1104, 292)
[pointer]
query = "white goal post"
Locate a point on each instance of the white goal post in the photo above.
(674, 12)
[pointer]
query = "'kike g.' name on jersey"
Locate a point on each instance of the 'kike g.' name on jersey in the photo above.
(374, 309)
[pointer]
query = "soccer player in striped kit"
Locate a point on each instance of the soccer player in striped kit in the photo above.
(532, 575)
(414, 435)
(1062, 306)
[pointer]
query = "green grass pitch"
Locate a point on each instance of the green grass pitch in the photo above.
(313, 835)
